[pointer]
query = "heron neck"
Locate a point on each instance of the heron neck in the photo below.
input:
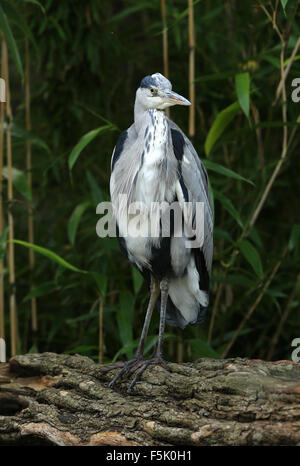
(140, 113)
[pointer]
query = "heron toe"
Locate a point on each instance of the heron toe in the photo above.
(138, 366)
(157, 361)
(127, 369)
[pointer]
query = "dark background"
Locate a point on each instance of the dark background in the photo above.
(86, 62)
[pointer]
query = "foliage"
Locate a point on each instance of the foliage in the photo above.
(87, 59)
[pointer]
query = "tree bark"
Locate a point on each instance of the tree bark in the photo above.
(51, 399)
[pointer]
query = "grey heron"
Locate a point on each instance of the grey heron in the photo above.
(154, 162)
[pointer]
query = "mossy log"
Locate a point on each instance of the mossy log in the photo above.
(51, 399)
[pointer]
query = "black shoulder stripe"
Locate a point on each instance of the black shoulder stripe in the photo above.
(203, 169)
(202, 270)
(184, 188)
(118, 148)
(122, 242)
(178, 147)
(178, 144)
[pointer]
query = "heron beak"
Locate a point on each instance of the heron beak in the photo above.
(173, 98)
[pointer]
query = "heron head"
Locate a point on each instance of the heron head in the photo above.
(155, 91)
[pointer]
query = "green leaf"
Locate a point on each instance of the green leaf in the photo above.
(35, 2)
(212, 198)
(274, 61)
(223, 119)
(50, 255)
(224, 171)
(294, 242)
(242, 85)
(19, 20)
(19, 180)
(82, 349)
(216, 76)
(87, 316)
(125, 317)
(96, 192)
(3, 243)
(240, 280)
(24, 135)
(229, 207)
(137, 280)
(228, 336)
(126, 349)
(58, 28)
(94, 112)
(287, 61)
(150, 343)
(252, 256)
(180, 16)
(83, 142)
(42, 290)
(255, 238)
(101, 281)
(133, 9)
(275, 293)
(75, 219)
(219, 233)
(284, 3)
(203, 349)
(11, 41)
(152, 340)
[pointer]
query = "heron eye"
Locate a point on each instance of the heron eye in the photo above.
(152, 90)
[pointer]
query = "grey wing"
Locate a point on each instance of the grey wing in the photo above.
(123, 165)
(125, 140)
(118, 149)
(195, 188)
(121, 177)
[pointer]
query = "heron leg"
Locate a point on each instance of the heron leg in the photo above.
(134, 363)
(158, 358)
(164, 289)
(154, 293)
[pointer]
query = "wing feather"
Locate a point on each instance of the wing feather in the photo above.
(193, 178)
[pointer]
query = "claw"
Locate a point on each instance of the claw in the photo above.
(128, 367)
(109, 367)
(138, 366)
(138, 374)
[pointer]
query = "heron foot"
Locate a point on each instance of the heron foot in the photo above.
(157, 361)
(128, 368)
(138, 365)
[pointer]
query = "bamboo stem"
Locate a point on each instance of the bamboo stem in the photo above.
(284, 150)
(255, 304)
(165, 44)
(191, 69)
(11, 249)
(287, 70)
(285, 129)
(260, 145)
(214, 311)
(101, 342)
(29, 179)
(180, 350)
(171, 345)
(2, 311)
(283, 319)
(165, 39)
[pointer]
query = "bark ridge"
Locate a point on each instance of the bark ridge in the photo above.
(51, 399)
